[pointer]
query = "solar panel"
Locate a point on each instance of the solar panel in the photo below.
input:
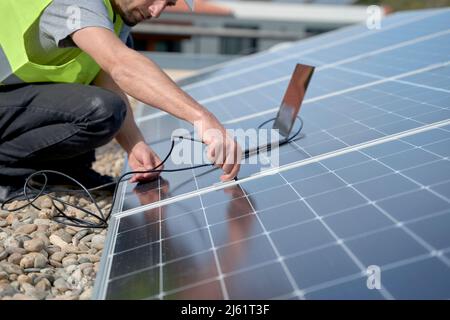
(366, 185)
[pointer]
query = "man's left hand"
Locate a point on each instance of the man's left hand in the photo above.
(143, 158)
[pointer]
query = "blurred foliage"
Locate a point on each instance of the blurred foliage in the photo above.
(407, 4)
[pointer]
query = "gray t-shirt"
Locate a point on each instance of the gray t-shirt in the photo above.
(57, 23)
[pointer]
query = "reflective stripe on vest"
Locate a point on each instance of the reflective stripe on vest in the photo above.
(16, 18)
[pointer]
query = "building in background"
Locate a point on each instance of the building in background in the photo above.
(219, 30)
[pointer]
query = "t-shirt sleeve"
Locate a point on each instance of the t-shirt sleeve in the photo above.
(63, 17)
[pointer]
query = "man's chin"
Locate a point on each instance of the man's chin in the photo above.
(130, 23)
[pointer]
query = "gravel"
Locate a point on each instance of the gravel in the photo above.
(41, 259)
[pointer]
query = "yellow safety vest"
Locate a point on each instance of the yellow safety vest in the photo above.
(16, 18)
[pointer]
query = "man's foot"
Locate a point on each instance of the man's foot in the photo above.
(89, 178)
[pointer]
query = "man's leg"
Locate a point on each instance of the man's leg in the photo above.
(43, 126)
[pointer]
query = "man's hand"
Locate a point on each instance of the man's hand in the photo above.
(223, 150)
(143, 158)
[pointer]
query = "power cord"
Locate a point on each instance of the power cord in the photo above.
(31, 193)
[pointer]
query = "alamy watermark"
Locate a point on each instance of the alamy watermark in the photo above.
(260, 145)
(73, 18)
(373, 277)
(375, 15)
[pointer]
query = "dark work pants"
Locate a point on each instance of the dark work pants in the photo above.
(54, 126)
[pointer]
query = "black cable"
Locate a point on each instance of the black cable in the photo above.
(63, 218)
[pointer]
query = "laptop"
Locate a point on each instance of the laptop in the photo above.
(290, 106)
(293, 98)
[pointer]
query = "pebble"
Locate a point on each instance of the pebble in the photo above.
(7, 290)
(11, 218)
(10, 244)
(83, 202)
(78, 236)
(13, 277)
(92, 258)
(27, 261)
(82, 260)
(71, 231)
(90, 272)
(58, 256)
(83, 247)
(69, 261)
(44, 253)
(98, 241)
(71, 249)
(47, 213)
(55, 264)
(31, 291)
(46, 203)
(12, 250)
(85, 265)
(24, 279)
(11, 268)
(42, 227)
(51, 249)
(57, 241)
(87, 238)
(26, 228)
(3, 223)
(4, 214)
(15, 258)
(43, 236)
(15, 284)
(61, 285)
(4, 235)
(71, 268)
(34, 245)
(40, 261)
(3, 275)
(3, 253)
(21, 238)
(63, 235)
(77, 275)
(43, 285)
(45, 222)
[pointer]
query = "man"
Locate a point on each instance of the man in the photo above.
(65, 70)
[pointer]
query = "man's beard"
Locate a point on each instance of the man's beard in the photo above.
(127, 18)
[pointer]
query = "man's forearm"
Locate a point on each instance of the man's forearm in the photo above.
(144, 80)
(129, 134)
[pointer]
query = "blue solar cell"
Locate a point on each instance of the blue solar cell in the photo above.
(385, 247)
(321, 266)
(424, 279)
(355, 222)
(417, 204)
(434, 231)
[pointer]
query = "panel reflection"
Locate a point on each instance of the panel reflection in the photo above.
(186, 235)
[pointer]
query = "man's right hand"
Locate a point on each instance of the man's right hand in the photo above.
(222, 149)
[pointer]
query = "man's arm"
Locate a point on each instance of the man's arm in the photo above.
(142, 79)
(140, 156)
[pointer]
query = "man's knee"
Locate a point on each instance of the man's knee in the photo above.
(108, 112)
